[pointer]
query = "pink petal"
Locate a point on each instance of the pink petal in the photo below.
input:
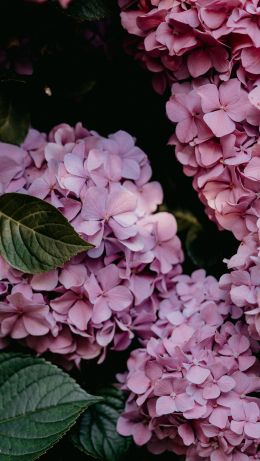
(237, 411)
(125, 219)
(186, 433)
(246, 362)
(131, 169)
(209, 430)
(19, 331)
(252, 169)
(237, 427)
(219, 123)
(166, 226)
(239, 344)
(7, 324)
(39, 188)
(219, 455)
(94, 207)
(141, 434)
(62, 304)
(73, 184)
(163, 387)
(74, 165)
(35, 326)
(251, 411)
(182, 334)
(109, 277)
(199, 63)
(80, 314)
(106, 334)
(153, 370)
(226, 383)
(229, 91)
(120, 201)
(47, 281)
(254, 97)
(93, 288)
(177, 108)
(165, 405)
(74, 275)
(138, 382)
(184, 403)
(197, 375)
(219, 417)
(252, 430)
(119, 298)
(186, 130)
(101, 311)
(209, 97)
(197, 412)
(211, 391)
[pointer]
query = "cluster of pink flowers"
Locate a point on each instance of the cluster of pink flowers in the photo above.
(189, 388)
(102, 298)
(213, 48)
(208, 51)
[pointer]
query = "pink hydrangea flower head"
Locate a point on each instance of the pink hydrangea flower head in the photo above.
(102, 299)
(189, 387)
(212, 49)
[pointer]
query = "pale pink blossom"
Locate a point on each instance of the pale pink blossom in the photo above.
(105, 298)
(24, 313)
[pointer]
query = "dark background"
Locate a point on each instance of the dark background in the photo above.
(107, 90)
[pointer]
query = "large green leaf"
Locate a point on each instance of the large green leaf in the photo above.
(38, 404)
(90, 10)
(34, 236)
(97, 435)
(14, 115)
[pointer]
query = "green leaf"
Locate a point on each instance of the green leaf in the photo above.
(38, 404)
(90, 10)
(34, 236)
(96, 435)
(14, 116)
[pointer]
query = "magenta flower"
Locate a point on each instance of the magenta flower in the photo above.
(237, 347)
(224, 106)
(245, 418)
(201, 60)
(76, 170)
(172, 397)
(114, 208)
(107, 294)
(132, 424)
(24, 313)
(166, 246)
(185, 109)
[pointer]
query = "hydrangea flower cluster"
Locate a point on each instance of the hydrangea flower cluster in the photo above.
(102, 298)
(213, 49)
(208, 51)
(190, 387)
